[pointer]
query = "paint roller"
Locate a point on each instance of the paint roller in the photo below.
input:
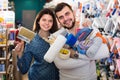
(55, 48)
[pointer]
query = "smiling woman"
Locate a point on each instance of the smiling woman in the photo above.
(38, 69)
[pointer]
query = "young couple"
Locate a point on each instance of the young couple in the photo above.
(70, 69)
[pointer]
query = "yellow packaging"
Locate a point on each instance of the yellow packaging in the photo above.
(25, 34)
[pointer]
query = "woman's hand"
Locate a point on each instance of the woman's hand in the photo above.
(19, 48)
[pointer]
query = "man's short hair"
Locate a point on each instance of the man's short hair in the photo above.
(60, 6)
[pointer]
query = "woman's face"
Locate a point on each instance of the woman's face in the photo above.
(46, 22)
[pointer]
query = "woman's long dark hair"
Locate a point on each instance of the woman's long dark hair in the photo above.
(36, 26)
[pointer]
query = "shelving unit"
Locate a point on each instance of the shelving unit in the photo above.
(6, 67)
(3, 53)
(7, 21)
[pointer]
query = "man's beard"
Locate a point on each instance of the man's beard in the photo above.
(73, 24)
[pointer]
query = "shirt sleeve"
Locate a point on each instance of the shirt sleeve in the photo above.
(103, 52)
(25, 61)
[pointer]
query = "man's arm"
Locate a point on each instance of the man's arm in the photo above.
(70, 62)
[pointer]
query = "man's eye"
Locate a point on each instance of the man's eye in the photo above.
(67, 13)
(61, 17)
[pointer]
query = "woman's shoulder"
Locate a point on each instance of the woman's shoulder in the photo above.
(38, 41)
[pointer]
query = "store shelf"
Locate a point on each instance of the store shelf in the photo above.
(2, 59)
(2, 72)
(2, 45)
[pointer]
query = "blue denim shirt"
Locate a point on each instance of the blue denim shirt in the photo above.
(40, 69)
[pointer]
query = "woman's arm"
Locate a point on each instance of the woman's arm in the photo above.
(24, 61)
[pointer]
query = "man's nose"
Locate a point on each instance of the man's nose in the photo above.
(65, 17)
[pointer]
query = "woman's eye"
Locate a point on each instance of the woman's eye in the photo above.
(50, 20)
(43, 19)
